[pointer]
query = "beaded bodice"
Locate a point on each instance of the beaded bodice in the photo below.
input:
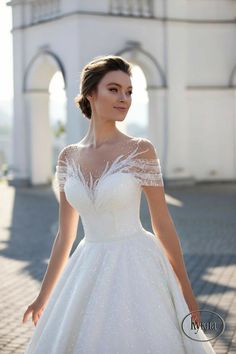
(109, 201)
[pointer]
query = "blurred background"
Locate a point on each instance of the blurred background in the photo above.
(184, 58)
(183, 54)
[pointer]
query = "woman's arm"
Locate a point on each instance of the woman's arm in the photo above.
(164, 228)
(66, 235)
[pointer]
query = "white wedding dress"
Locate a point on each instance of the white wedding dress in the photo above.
(118, 293)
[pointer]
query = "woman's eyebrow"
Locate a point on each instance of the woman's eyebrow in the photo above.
(115, 83)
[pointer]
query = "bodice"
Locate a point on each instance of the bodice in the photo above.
(109, 206)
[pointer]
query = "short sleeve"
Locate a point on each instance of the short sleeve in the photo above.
(147, 167)
(61, 171)
(148, 172)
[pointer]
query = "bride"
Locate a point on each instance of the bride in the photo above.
(124, 289)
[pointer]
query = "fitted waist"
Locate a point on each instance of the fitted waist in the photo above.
(105, 237)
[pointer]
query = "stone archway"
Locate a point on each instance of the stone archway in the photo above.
(38, 133)
(135, 53)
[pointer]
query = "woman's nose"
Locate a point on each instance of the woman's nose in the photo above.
(122, 97)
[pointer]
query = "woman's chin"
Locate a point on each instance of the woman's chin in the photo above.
(121, 117)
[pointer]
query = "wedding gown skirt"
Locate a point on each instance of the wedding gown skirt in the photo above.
(118, 293)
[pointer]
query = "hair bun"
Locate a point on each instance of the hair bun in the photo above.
(84, 104)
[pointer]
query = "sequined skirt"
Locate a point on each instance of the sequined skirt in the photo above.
(119, 297)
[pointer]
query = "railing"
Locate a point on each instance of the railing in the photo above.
(132, 7)
(44, 9)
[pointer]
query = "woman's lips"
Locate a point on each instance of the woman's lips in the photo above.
(121, 109)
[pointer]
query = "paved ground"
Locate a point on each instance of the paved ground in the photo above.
(205, 220)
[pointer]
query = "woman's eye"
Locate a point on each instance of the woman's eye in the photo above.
(116, 90)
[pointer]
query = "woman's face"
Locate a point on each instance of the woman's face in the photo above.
(112, 99)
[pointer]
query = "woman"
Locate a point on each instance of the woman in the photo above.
(124, 289)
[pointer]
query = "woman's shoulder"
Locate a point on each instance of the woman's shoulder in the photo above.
(147, 147)
(144, 148)
(67, 151)
(141, 141)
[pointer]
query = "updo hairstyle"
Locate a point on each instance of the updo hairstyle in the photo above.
(92, 74)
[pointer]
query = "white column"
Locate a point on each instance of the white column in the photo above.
(20, 141)
(19, 159)
(178, 154)
(39, 149)
(157, 129)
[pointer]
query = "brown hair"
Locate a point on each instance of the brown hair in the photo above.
(91, 75)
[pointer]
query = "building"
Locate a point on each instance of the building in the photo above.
(186, 49)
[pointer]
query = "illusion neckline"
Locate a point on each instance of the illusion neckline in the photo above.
(92, 184)
(71, 167)
(111, 161)
(108, 165)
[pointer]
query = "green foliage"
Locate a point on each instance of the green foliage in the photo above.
(59, 129)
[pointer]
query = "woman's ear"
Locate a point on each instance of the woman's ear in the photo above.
(89, 96)
(92, 95)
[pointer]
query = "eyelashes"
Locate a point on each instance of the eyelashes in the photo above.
(112, 89)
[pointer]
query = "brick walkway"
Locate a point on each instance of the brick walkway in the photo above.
(204, 216)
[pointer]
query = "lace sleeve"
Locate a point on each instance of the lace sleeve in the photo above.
(60, 175)
(148, 172)
(147, 167)
(61, 171)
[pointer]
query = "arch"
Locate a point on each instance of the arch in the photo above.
(155, 75)
(38, 75)
(40, 70)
